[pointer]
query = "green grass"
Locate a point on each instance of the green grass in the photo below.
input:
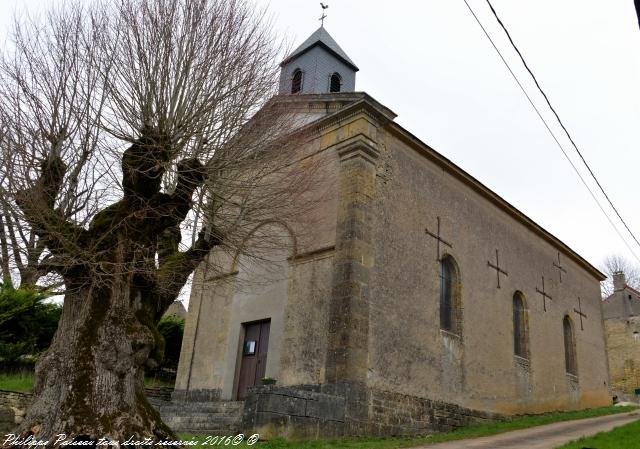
(623, 437)
(467, 432)
(22, 382)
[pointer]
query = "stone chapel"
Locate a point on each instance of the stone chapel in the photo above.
(420, 301)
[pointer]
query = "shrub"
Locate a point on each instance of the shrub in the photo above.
(27, 323)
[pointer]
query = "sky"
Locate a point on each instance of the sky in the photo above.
(429, 61)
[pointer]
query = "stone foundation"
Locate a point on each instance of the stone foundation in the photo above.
(398, 414)
(326, 411)
(299, 412)
(293, 413)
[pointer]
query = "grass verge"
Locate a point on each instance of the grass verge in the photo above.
(467, 432)
(22, 382)
(623, 437)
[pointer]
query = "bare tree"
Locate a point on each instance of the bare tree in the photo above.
(132, 145)
(615, 264)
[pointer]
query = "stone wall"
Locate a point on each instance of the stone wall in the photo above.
(293, 413)
(398, 414)
(623, 344)
(306, 412)
(411, 355)
(13, 407)
(302, 412)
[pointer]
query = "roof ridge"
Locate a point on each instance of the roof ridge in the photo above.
(320, 36)
(632, 289)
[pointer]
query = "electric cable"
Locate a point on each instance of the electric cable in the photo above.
(555, 138)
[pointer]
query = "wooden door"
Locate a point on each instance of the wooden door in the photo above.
(254, 356)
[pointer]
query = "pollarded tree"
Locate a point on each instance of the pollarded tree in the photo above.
(131, 147)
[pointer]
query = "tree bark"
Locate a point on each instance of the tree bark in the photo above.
(90, 383)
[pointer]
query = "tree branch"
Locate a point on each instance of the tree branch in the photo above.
(37, 203)
(4, 253)
(174, 272)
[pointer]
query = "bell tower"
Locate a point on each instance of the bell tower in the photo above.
(317, 66)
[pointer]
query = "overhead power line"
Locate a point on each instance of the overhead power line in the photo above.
(535, 108)
(560, 121)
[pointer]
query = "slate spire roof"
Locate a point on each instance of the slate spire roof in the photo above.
(323, 38)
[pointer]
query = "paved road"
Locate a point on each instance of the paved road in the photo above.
(543, 437)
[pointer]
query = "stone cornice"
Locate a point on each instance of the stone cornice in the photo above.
(356, 146)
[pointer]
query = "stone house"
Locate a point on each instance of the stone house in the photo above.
(420, 301)
(621, 312)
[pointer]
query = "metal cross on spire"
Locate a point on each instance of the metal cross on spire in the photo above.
(324, 16)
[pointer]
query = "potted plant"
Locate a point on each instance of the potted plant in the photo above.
(268, 381)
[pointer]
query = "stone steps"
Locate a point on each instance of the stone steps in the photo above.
(214, 418)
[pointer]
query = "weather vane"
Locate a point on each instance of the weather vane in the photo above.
(321, 19)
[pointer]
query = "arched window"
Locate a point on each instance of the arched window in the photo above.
(296, 81)
(570, 359)
(520, 327)
(450, 303)
(335, 82)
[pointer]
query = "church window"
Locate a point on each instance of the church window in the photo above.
(296, 81)
(335, 82)
(450, 304)
(570, 361)
(520, 328)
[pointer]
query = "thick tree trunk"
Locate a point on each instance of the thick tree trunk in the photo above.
(90, 383)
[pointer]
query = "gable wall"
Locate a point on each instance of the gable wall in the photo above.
(289, 286)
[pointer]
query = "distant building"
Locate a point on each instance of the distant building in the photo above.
(176, 309)
(621, 313)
